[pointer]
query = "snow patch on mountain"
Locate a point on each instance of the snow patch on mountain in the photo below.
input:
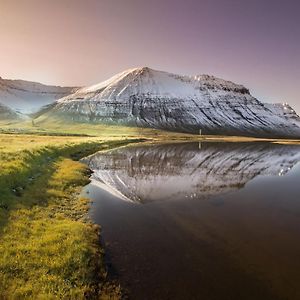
(145, 81)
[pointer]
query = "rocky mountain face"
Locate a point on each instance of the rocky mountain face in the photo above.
(149, 98)
(190, 170)
(28, 97)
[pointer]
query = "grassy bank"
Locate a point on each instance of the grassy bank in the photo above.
(56, 127)
(49, 249)
(62, 127)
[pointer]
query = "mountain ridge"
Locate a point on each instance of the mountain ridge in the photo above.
(27, 96)
(157, 99)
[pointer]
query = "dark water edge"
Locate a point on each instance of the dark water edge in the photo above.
(239, 240)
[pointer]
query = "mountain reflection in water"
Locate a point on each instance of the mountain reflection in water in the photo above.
(189, 170)
(200, 221)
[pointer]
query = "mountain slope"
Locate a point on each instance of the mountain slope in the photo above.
(8, 114)
(28, 97)
(150, 98)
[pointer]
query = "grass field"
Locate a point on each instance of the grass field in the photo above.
(49, 248)
(57, 127)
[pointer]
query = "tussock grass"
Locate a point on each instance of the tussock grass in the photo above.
(49, 249)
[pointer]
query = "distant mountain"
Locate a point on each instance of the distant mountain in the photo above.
(28, 97)
(149, 98)
(8, 114)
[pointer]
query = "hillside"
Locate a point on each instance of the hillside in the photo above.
(28, 97)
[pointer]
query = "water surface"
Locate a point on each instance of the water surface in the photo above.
(200, 220)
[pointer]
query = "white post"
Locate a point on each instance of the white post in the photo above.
(200, 131)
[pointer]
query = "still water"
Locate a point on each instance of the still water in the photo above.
(200, 220)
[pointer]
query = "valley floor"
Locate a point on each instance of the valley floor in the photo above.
(49, 248)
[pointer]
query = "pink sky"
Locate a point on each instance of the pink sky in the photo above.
(82, 42)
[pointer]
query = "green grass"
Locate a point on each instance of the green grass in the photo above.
(52, 126)
(49, 249)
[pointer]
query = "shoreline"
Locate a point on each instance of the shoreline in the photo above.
(45, 229)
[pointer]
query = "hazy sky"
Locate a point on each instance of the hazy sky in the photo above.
(81, 42)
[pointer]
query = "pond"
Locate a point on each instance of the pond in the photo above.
(200, 220)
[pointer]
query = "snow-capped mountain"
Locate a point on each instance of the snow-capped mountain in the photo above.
(28, 97)
(183, 171)
(150, 98)
(8, 114)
